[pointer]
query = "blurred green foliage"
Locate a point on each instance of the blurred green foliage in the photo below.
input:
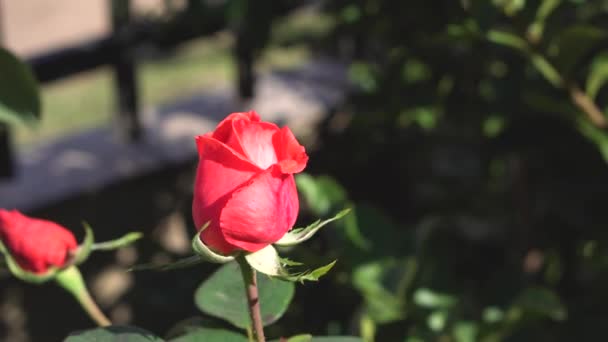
(473, 146)
(19, 94)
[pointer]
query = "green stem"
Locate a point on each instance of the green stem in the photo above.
(250, 334)
(71, 280)
(253, 300)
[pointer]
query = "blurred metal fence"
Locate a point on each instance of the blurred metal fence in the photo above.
(119, 50)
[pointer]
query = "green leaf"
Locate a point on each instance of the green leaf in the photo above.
(542, 301)
(310, 338)
(574, 43)
(268, 261)
(117, 243)
(336, 339)
(596, 135)
(200, 328)
(205, 252)
(19, 94)
(321, 194)
(113, 334)
(492, 314)
(384, 285)
(465, 331)
(364, 76)
(536, 29)
(547, 70)
(299, 235)
(222, 295)
(427, 298)
(300, 338)
(210, 335)
(437, 320)
(507, 39)
(598, 75)
(370, 233)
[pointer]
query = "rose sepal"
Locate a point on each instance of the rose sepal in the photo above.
(203, 254)
(89, 245)
(122, 241)
(299, 235)
(268, 261)
(85, 248)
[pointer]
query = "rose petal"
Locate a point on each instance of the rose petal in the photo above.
(255, 139)
(292, 157)
(224, 131)
(220, 171)
(34, 243)
(261, 211)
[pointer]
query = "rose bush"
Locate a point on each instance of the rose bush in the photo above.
(244, 183)
(35, 244)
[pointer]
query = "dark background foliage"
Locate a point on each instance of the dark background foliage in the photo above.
(476, 168)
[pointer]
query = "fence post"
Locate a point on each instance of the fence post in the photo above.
(6, 153)
(252, 34)
(125, 73)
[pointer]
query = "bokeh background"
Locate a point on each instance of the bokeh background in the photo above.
(469, 137)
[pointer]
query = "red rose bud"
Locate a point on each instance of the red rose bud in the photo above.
(244, 183)
(35, 244)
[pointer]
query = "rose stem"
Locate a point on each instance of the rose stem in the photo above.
(89, 305)
(253, 302)
(71, 280)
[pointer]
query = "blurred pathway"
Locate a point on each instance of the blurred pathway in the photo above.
(90, 160)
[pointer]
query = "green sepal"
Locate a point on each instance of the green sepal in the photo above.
(299, 235)
(312, 275)
(88, 245)
(268, 261)
(117, 243)
(85, 248)
(205, 252)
